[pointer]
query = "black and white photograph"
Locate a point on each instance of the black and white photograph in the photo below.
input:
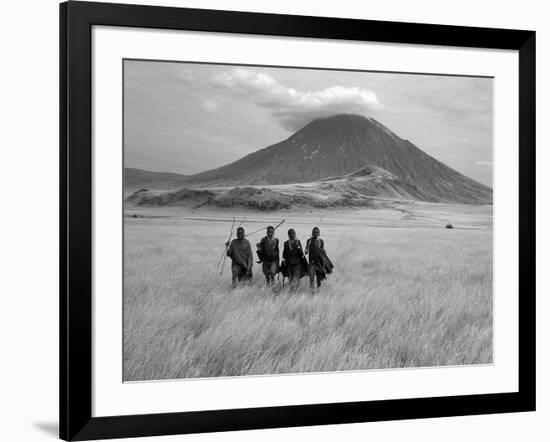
(286, 220)
(275, 221)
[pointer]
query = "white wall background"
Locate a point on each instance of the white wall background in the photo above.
(29, 219)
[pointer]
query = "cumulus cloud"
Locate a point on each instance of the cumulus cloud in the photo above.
(185, 75)
(485, 163)
(294, 108)
(210, 106)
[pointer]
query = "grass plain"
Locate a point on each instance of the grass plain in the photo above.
(406, 292)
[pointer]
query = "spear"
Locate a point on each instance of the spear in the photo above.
(225, 250)
(263, 228)
(255, 231)
(227, 246)
(320, 220)
(278, 225)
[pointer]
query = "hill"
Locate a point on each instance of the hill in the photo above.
(136, 179)
(369, 186)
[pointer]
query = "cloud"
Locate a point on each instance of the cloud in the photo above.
(185, 75)
(210, 106)
(294, 108)
(485, 163)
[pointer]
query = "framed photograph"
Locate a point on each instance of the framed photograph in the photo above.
(272, 221)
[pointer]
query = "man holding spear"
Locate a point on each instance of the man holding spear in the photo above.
(240, 252)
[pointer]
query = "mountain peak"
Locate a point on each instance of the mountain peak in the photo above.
(350, 123)
(339, 119)
(343, 118)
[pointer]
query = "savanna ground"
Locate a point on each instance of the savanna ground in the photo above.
(406, 292)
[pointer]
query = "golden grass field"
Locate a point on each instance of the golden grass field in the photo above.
(406, 292)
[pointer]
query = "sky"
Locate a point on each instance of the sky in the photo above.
(191, 117)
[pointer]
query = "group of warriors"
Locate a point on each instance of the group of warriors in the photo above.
(293, 266)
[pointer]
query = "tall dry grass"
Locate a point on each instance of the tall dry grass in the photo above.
(399, 297)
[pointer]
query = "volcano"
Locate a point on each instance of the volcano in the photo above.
(341, 145)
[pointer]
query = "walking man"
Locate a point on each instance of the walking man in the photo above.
(292, 257)
(240, 252)
(269, 253)
(319, 264)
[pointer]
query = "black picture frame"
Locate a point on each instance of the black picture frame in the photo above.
(76, 21)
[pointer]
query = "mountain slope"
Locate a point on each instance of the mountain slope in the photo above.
(136, 179)
(340, 145)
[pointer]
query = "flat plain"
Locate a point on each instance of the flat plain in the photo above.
(405, 292)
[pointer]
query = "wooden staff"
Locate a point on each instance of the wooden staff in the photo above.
(263, 228)
(320, 220)
(279, 225)
(227, 246)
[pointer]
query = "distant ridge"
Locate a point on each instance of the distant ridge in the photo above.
(369, 186)
(135, 179)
